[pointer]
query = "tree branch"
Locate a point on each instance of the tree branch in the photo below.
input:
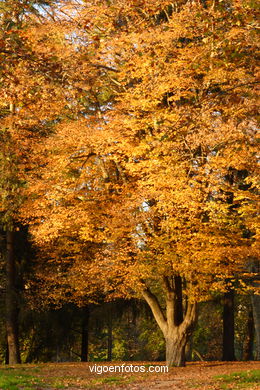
(157, 311)
(104, 67)
(190, 316)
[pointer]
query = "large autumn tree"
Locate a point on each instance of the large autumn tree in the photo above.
(34, 94)
(154, 185)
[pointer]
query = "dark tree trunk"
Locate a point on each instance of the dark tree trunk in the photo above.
(249, 340)
(228, 327)
(256, 313)
(255, 299)
(109, 336)
(6, 354)
(84, 334)
(178, 301)
(11, 302)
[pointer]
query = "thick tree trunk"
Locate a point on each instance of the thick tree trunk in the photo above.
(178, 336)
(228, 327)
(175, 349)
(11, 302)
(84, 334)
(176, 324)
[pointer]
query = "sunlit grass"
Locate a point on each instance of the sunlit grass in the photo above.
(239, 380)
(114, 379)
(12, 379)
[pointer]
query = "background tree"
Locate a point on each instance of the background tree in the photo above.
(32, 97)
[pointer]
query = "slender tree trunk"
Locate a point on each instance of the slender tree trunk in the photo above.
(109, 336)
(256, 313)
(228, 327)
(177, 323)
(249, 340)
(11, 302)
(84, 334)
(6, 354)
(255, 299)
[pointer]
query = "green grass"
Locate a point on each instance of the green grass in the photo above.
(113, 380)
(23, 379)
(58, 385)
(12, 379)
(239, 380)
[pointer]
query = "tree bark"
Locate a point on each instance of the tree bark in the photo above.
(11, 302)
(256, 313)
(84, 334)
(228, 327)
(175, 325)
(178, 336)
(175, 348)
(255, 299)
(109, 336)
(249, 339)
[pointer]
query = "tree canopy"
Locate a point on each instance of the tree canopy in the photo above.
(132, 127)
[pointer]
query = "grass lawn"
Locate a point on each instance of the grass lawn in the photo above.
(239, 380)
(16, 379)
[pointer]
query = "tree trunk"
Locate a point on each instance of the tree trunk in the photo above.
(255, 299)
(84, 334)
(177, 323)
(256, 312)
(175, 349)
(109, 336)
(249, 340)
(11, 302)
(228, 327)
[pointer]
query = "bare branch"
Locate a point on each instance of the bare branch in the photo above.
(157, 311)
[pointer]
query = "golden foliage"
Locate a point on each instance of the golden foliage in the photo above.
(150, 171)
